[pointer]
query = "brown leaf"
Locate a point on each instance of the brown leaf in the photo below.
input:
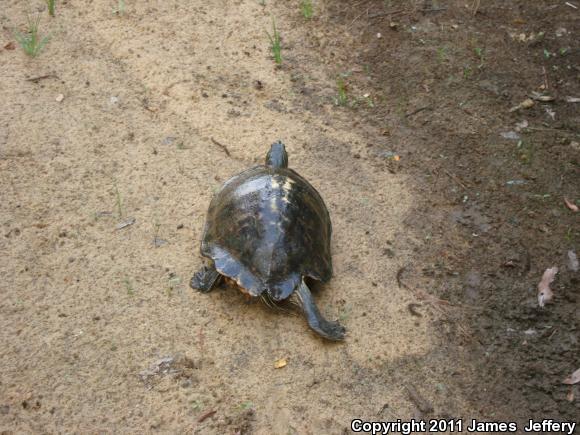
(571, 205)
(574, 378)
(545, 294)
(10, 46)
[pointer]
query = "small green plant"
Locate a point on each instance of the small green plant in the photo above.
(342, 97)
(275, 44)
(120, 9)
(569, 236)
(441, 54)
(369, 100)
(31, 42)
(51, 7)
(480, 56)
(467, 72)
(525, 152)
(197, 405)
(344, 313)
(307, 9)
(129, 287)
(173, 284)
(547, 54)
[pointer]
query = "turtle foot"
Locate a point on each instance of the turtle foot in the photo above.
(330, 330)
(204, 279)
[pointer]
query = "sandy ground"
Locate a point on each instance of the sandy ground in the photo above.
(143, 115)
(86, 308)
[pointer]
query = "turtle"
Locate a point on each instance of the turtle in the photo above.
(268, 230)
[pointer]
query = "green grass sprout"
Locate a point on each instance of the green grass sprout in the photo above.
(31, 42)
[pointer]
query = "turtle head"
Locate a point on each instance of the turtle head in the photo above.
(277, 156)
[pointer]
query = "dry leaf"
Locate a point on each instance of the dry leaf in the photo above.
(10, 46)
(539, 97)
(279, 363)
(526, 104)
(571, 205)
(573, 261)
(570, 395)
(574, 378)
(125, 223)
(545, 294)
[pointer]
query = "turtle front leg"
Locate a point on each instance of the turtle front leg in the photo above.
(205, 279)
(327, 329)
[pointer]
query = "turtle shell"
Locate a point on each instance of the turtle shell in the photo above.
(267, 228)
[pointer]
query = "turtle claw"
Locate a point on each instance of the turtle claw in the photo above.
(204, 279)
(330, 330)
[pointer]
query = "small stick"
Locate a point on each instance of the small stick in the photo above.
(571, 5)
(356, 18)
(457, 180)
(546, 84)
(414, 112)
(433, 10)
(222, 146)
(39, 78)
(400, 272)
(206, 416)
(421, 403)
(476, 5)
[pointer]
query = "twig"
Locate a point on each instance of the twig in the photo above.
(456, 179)
(420, 109)
(571, 5)
(39, 78)
(433, 10)
(418, 400)
(476, 4)
(546, 84)
(356, 18)
(222, 146)
(206, 416)
(400, 272)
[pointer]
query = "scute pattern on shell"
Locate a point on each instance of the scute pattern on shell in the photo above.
(266, 229)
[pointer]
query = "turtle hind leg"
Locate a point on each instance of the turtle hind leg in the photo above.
(205, 279)
(325, 328)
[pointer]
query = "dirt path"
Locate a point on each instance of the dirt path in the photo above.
(152, 100)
